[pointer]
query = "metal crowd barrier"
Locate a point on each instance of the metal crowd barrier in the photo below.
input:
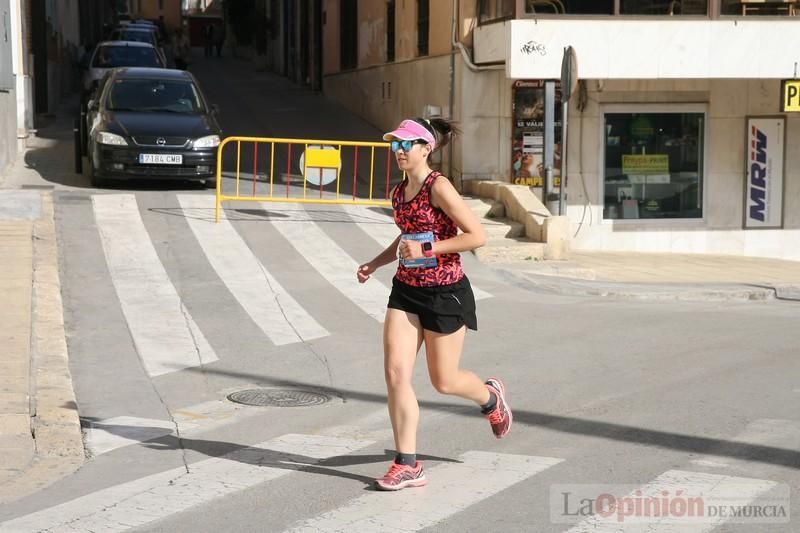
(308, 171)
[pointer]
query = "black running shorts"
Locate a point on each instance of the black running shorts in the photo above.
(441, 308)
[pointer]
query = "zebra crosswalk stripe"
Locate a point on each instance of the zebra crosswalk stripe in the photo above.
(453, 487)
(158, 496)
(333, 263)
(165, 335)
(103, 436)
(273, 309)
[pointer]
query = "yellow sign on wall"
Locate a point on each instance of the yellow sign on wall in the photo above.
(790, 96)
(645, 164)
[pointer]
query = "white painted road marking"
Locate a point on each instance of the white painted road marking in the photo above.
(707, 487)
(383, 230)
(103, 436)
(273, 309)
(452, 487)
(158, 496)
(166, 337)
(333, 263)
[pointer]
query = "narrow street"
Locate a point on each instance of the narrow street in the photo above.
(168, 314)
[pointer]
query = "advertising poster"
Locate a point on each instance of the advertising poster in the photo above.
(527, 158)
(763, 202)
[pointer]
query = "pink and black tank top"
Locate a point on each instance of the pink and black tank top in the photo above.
(417, 215)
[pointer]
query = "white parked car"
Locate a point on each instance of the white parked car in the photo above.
(111, 54)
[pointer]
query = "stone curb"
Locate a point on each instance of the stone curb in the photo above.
(636, 291)
(54, 412)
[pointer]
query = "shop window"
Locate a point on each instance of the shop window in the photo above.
(494, 10)
(423, 21)
(653, 165)
(390, 11)
(348, 34)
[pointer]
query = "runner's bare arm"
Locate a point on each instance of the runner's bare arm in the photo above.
(446, 197)
(387, 256)
(364, 271)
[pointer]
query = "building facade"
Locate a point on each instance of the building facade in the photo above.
(167, 12)
(682, 135)
(41, 43)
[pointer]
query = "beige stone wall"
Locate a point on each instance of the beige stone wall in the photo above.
(439, 36)
(485, 117)
(405, 30)
(371, 33)
(366, 92)
(171, 13)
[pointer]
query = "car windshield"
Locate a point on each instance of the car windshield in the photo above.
(130, 35)
(150, 95)
(110, 56)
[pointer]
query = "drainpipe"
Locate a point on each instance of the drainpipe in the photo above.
(464, 52)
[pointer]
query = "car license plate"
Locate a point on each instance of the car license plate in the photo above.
(161, 159)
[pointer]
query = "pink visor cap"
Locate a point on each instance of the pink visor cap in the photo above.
(410, 130)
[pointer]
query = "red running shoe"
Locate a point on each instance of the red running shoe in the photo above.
(500, 418)
(402, 476)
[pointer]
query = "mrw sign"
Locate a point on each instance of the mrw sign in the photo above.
(764, 172)
(790, 96)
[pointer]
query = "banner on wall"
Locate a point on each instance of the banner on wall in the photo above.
(527, 146)
(763, 199)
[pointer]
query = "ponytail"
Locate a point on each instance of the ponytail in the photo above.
(442, 129)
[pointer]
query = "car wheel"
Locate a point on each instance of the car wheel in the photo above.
(93, 178)
(210, 184)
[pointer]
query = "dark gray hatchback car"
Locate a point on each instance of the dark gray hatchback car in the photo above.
(144, 123)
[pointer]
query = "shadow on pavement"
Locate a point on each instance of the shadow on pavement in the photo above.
(292, 214)
(577, 426)
(260, 456)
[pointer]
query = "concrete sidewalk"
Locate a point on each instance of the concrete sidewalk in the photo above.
(40, 434)
(662, 276)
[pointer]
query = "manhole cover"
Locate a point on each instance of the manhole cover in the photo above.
(278, 397)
